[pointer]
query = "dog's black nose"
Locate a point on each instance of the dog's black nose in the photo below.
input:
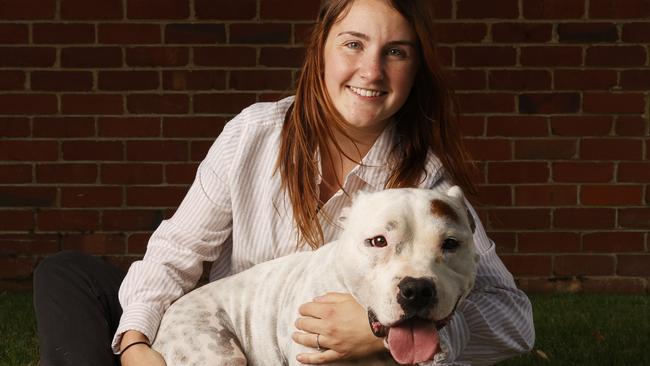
(416, 294)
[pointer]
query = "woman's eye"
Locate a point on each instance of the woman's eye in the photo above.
(377, 242)
(396, 52)
(353, 45)
(450, 245)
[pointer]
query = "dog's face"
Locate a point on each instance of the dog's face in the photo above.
(410, 258)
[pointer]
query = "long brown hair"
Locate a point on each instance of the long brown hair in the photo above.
(427, 120)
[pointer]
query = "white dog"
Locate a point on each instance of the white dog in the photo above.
(406, 255)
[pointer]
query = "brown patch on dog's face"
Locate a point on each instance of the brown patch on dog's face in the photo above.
(442, 209)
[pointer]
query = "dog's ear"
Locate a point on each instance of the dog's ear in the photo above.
(457, 193)
(472, 223)
(344, 215)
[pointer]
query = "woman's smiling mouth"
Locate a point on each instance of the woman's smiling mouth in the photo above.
(368, 93)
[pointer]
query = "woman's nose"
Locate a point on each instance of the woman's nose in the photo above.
(371, 67)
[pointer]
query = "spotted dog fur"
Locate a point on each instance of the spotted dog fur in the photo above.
(248, 318)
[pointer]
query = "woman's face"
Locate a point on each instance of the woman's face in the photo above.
(371, 59)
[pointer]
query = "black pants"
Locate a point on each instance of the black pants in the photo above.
(77, 309)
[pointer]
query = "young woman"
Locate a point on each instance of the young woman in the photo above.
(371, 111)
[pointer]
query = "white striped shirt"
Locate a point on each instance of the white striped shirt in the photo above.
(236, 215)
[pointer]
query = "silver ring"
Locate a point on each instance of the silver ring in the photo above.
(318, 343)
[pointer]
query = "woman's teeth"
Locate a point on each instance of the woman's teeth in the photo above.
(366, 92)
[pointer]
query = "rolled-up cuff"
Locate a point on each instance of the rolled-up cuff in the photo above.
(140, 317)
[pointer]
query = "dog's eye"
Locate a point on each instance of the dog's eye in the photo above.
(377, 242)
(450, 245)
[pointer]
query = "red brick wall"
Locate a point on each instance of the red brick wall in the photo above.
(107, 106)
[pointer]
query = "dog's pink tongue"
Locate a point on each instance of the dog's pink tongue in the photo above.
(413, 342)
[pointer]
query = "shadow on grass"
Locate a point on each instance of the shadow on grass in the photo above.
(571, 330)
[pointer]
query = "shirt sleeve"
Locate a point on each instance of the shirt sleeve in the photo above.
(173, 262)
(495, 322)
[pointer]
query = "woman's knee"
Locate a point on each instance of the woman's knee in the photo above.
(57, 267)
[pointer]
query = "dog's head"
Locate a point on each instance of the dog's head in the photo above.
(409, 258)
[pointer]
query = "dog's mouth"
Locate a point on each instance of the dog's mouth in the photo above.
(412, 339)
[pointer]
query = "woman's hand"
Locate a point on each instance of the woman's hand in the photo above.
(139, 354)
(342, 328)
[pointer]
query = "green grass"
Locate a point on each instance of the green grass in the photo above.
(571, 330)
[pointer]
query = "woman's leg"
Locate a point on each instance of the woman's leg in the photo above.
(77, 309)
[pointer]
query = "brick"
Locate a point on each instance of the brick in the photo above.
(92, 150)
(546, 195)
(487, 103)
(27, 56)
(585, 79)
(619, 9)
(85, 197)
(66, 173)
(549, 103)
(501, 9)
(581, 125)
(484, 56)
(472, 125)
(222, 103)
(505, 242)
(616, 56)
(490, 149)
(95, 244)
(14, 33)
(634, 218)
(57, 33)
(517, 126)
(613, 242)
(199, 149)
(545, 149)
(91, 57)
(155, 196)
(630, 103)
(225, 56)
(64, 127)
(528, 265)
(194, 80)
(491, 195)
(16, 220)
(584, 218)
(128, 33)
(14, 127)
(611, 149)
(587, 32)
(584, 265)
(157, 9)
(520, 219)
(131, 220)
(460, 32)
(157, 56)
(28, 244)
(518, 172)
(553, 9)
(131, 173)
(635, 79)
(29, 104)
(582, 172)
(192, 127)
(260, 80)
(165, 150)
(282, 56)
(27, 197)
(128, 80)
(548, 242)
(552, 56)
(62, 80)
(15, 174)
(158, 103)
(34, 150)
(302, 33)
(634, 172)
(260, 33)
(27, 9)
(634, 265)
(468, 79)
(615, 285)
(180, 173)
(16, 268)
(137, 243)
(631, 126)
(611, 195)
(636, 32)
(520, 80)
(129, 126)
(92, 104)
(226, 10)
(12, 80)
(196, 33)
(522, 32)
(86, 10)
(67, 220)
(289, 9)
